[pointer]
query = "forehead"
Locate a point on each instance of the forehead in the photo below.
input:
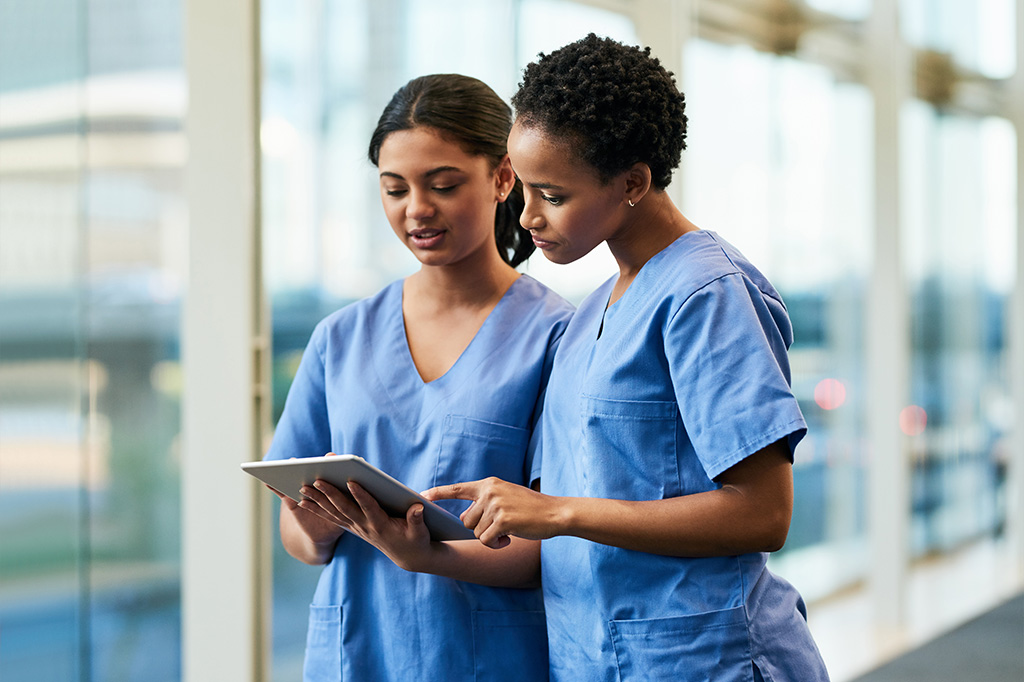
(421, 149)
(541, 158)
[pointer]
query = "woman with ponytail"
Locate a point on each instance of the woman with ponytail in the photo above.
(436, 379)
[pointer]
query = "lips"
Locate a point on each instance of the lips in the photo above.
(426, 238)
(541, 243)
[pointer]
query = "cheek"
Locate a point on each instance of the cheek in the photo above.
(476, 216)
(575, 224)
(395, 215)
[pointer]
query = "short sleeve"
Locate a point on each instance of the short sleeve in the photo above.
(727, 353)
(304, 427)
(534, 451)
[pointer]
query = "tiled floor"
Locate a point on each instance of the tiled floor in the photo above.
(940, 595)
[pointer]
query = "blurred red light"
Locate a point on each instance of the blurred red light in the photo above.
(830, 394)
(913, 420)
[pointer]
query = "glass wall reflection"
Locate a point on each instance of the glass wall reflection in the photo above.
(960, 219)
(92, 236)
(977, 35)
(779, 163)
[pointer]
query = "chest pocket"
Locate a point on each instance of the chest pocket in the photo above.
(704, 646)
(473, 448)
(630, 448)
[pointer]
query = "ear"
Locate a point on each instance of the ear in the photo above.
(504, 178)
(637, 183)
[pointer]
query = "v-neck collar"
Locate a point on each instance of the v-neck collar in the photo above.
(649, 271)
(484, 336)
(412, 399)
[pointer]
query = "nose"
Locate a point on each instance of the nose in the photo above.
(531, 219)
(419, 207)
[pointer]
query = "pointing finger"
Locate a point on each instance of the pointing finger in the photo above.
(455, 491)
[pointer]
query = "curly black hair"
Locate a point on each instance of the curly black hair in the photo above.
(616, 102)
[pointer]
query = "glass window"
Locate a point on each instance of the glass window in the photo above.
(329, 69)
(848, 9)
(979, 35)
(92, 240)
(960, 216)
(779, 163)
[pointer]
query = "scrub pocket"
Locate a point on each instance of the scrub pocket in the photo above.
(472, 449)
(323, 645)
(510, 645)
(704, 646)
(630, 449)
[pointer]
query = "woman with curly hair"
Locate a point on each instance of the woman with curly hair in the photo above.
(669, 424)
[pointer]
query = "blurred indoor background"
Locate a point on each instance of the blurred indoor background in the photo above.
(184, 193)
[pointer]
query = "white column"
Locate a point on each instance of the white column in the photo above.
(225, 560)
(887, 337)
(1015, 482)
(665, 26)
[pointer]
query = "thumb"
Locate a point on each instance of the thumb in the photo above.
(414, 517)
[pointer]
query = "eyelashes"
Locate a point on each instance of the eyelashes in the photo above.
(447, 189)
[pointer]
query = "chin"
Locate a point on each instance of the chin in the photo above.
(431, 261)
(560, 257)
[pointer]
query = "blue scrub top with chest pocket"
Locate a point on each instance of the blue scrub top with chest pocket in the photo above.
(358, 391)
(684, 376)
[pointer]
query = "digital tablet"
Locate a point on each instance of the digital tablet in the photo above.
(287, 476)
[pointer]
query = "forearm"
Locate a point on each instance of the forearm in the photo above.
(517, 565)
(750, 512)
(715, 523)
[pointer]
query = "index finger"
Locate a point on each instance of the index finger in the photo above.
(455, 491)
(367, 502)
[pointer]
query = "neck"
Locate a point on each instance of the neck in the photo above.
(651, 226)
(461, 284)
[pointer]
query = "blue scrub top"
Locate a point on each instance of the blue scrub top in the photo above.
(680, 379)
(358, 391)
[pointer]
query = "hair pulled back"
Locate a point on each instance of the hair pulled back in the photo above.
(616, 102)
(472, 115)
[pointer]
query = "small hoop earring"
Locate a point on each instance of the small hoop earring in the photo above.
(630, 202)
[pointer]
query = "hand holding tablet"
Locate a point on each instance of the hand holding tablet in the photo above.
(288, 476)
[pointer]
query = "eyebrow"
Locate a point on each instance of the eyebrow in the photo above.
(430, 173)
(544, 185)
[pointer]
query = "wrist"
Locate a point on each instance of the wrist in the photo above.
(564, 516)
(420, 561)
